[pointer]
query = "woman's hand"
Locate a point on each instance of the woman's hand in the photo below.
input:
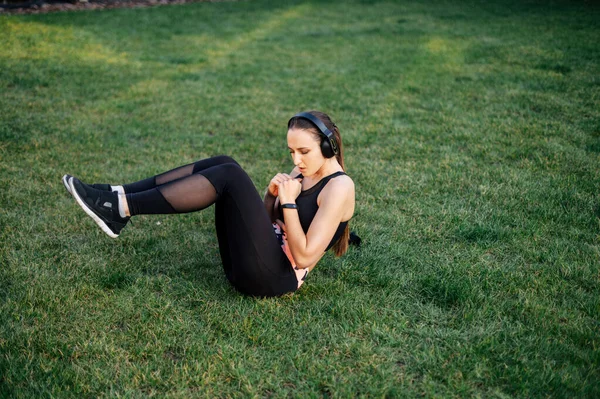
(289, 190)
(276, 181)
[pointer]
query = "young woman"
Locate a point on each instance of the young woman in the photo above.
(267, 246)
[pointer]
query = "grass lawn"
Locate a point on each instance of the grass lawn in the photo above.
(472, 132)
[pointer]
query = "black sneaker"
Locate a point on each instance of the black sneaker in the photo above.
(102, 206)
(101, 187)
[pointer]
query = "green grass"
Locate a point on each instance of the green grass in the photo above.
(472, 132)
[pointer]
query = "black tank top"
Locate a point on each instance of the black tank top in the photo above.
(307, 207)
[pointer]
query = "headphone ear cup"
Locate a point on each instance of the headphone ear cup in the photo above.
(326, 149)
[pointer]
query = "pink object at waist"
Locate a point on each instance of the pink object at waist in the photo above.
(281, 236)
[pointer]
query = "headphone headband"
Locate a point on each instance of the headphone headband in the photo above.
(329, 136)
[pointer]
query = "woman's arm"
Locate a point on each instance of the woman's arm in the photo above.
(336, 202)
(271, 200)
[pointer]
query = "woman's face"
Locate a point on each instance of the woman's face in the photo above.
(305, 151)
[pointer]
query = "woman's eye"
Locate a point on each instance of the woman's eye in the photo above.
(304, 152)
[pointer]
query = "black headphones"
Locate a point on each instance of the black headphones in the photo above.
(329, 147)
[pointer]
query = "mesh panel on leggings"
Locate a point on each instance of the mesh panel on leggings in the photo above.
(174, 174)
(189, 194)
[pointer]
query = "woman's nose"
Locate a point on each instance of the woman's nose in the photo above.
(297, 159)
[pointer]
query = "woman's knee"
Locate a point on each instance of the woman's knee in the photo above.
(227, 177)
(207, 163)
(233, 170)
(224, 159)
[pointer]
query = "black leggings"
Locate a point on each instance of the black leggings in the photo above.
(253, 260)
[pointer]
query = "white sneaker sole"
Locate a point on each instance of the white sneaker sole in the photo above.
(65, 181)
(90, 213)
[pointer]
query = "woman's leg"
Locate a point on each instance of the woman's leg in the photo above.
(110, 211)
(252, 257)
(154, 181)
(177, 173)
(251, 254)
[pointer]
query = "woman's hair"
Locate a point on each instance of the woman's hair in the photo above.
(341, 246)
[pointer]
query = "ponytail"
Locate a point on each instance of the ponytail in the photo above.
(341, 246)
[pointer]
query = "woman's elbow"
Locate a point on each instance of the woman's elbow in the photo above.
(304, 262)
(307, 256)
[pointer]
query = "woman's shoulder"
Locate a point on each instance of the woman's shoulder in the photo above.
(339, 185)
(338, 196)
(343, 179)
